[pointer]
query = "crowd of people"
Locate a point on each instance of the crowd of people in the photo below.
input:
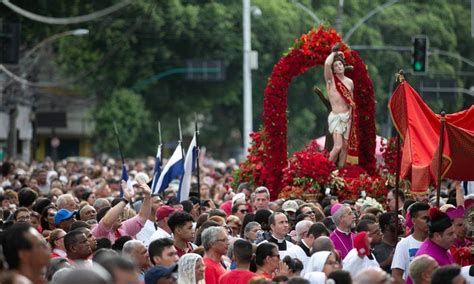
(66, 222)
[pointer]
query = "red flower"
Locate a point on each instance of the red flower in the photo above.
(269, 147)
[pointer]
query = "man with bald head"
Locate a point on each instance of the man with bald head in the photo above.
(323, 243)
(138, 253)
(421, 269)
(373, 275)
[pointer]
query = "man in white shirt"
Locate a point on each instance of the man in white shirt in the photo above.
(306, 236)
(360, 257)
(279, 232)
(162, 228)
(407, 248)
(149, 228)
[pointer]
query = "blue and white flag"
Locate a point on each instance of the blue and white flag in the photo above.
(157, 170)
(189, 166)
(124, 177)
(173, 170)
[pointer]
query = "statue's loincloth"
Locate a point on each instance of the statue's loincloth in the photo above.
(340, 123)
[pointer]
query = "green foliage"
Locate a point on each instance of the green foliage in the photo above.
(150, 37)
(127, 110)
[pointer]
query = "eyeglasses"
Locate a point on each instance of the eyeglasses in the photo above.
(58, 238)
(243, 211)
(222, 240)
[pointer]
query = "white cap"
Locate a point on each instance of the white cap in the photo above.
(290, 205)
(238, 196)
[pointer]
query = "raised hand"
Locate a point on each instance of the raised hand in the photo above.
(336, 47)
(145, 188)
(126, 191)
(283, 269)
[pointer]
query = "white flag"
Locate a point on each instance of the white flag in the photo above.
(189, 166)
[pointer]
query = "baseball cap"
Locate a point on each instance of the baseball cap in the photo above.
(63, 214)
(155, 273)
(238, 196)
(290, 205)
(163, 212)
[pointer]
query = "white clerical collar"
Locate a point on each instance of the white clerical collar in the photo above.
(278, 240)
(304, 243)
(341, 231)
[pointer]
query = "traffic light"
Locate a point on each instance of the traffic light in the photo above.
(420, 54)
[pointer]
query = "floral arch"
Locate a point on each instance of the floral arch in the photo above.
(267, 159)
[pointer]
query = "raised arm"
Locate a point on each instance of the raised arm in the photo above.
(145, 209)
(459, 193)
(114, 213)
(328, 75)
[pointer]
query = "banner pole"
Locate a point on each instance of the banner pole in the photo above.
(198, 152)
(400, 79)
(440, 156)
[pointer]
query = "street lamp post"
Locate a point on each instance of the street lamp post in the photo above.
(76, 32)
(247, 75)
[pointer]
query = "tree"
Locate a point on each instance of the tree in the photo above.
(150, 37)
(128, 111)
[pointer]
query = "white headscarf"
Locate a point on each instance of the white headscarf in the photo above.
(316, 262)
(187, 268)
(316, 277)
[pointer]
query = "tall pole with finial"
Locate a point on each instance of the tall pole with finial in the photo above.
(400, 79)
(198, 170)
(440, 156)
(124, 167)
(180, 136)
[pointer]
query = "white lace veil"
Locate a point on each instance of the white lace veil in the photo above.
(187, 268)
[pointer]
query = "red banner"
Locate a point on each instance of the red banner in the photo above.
(419, 127)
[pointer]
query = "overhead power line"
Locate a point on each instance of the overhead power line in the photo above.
(25, 81)
(69, 20)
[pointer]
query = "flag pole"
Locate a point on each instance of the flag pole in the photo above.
(179, 130)
(160, 142)
(400, 79)
(198, 174)
(180, 137)
(440, 156)
(397, 182)
(124, 168)
(157, 169)
(159, 133)
(118, 142)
